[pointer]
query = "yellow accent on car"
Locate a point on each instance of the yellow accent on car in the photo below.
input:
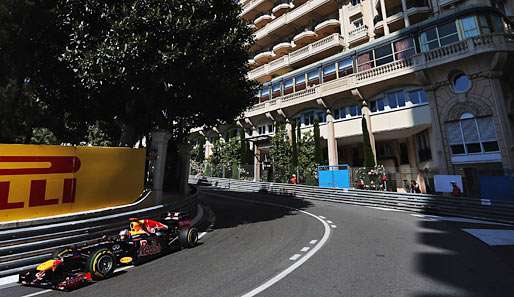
(46, 265)
(126, 260)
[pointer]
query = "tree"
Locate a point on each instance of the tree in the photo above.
(160, 64)
(245, 154)
(37, 90)
(280, 153)
(307, 159)
(294, 145)
(369, 159)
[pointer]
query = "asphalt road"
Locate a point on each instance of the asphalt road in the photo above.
(326, 249)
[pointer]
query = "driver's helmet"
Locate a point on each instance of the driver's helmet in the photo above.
(135, 227)
(124, 234)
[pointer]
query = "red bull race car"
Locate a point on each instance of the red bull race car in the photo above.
(73, 267)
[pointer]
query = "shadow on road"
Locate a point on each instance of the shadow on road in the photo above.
(463, 263)
(243, 209)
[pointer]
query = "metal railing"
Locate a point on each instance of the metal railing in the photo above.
(423, 203)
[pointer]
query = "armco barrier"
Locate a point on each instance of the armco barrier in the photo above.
(464, 207)
(47, 180)
(22, 248)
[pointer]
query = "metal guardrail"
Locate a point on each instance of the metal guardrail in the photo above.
(434, 204)
(22, 248)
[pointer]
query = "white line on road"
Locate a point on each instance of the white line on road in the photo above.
(201, 235)
(306, 248)
(330, 222)
(322, 217)
(8, 279)
(313, 241)
(294, 258)
(37, 293)
(333, 226)
(386, 209)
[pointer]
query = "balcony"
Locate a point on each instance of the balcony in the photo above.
(354, 9)
(282, 7)
(298, 17)
(263, 58)
(252, 7)
(304, 38)
(451, 53)
(327, 27)
(358, 34)
(263, 19)
(319, 49)
(282, 48)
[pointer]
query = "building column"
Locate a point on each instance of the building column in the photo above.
(405, 16)
(184, 160)
(256, 163)
(366, 113)
(331, 140)
(411, 150)
(384, 17)
(503, 128)
(343, 21)
(160, 147)
(289, 130)
(437, 144)
(207, 148)
(371, 23)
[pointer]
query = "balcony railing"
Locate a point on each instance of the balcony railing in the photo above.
(465, 48)
(321, 45)
(357, 33)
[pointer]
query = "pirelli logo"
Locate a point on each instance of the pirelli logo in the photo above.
(39, 166)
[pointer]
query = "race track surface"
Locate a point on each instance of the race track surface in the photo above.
(326, 249)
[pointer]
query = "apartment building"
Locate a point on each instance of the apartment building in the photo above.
(433, 78)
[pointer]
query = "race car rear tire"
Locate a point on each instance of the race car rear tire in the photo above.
(188, 237)
(59, 253)
(101, 263)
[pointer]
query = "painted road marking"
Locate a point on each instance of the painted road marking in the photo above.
(37, 293)
(293, 267)
(306, 248)
(322, 217)
(123, 268)
(201, 235)
(493, 237)
(313, 242)
(333, 226)
(457, 219)
(295, 257)
(330, 222)
(386, 209)
(8, 279)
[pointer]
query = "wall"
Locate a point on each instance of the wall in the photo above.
(39, 181)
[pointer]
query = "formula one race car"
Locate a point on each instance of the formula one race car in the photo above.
(73, 267)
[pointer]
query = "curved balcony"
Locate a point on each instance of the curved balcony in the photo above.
(305, 38)
(263, 20)
(299, 2)
(282, 48)
(327, 27)
(282, 7)
(264, 57)
(252, 64)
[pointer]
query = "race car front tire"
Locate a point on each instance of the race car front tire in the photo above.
(101, 264)
(188, 237)
(59, 253)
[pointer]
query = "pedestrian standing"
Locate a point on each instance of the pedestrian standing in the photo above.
(456, 191)
(414, 187)
(293, 180)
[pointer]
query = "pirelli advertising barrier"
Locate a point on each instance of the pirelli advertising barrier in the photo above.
(45, 180)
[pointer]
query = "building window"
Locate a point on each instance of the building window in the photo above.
(365, 61)
(276, 90)
(383, 55)
(460, 82)
(299, 82)
(358, 23)
(288, 86)
(404, 49)
(329, 72)
(345, 66)
(469, 27)
(261, 130)
(439, 36)
(354, 111)
(404, 153)
(472, 135)
(355, 2)
(417, 96)
(313, 78)
(423, 146)
(264, 94)
(377, 105)
(271, 128)
(396, 99)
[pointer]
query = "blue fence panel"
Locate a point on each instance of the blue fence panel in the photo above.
(499, 188)
(334, 176)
